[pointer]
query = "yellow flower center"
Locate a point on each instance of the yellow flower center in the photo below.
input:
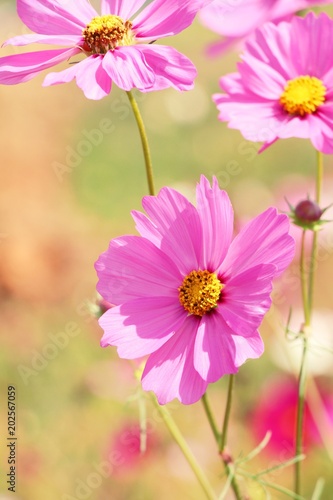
(303, 95)
(200, 292)
(105, 33)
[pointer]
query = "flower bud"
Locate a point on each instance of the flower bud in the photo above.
(307, 211)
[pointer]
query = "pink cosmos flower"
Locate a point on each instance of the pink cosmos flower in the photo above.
(186, 293)
(236, 20)
(284, 88)
(118, 48)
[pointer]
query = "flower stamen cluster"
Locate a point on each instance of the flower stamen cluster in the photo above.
(105, 33)
(200, 292)
(303, 95)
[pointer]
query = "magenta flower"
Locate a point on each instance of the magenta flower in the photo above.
(284, 88)
(236, 20)
(276, 411)
(186, 294)
(118, 48)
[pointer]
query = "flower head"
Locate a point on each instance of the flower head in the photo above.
(237, 20)
(188, 295)
(283, 88)
(117, 46)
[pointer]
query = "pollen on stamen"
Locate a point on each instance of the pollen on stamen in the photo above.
(105, 33)
(303, 95)
(200, 292)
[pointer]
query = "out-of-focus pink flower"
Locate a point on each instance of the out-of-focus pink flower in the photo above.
(191, 298)
(236, 20)
(118, 47)
(283, 88)
(125, 449)
(276, 411)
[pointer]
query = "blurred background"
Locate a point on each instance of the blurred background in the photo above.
(67, 187)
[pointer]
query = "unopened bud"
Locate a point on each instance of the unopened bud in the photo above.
(308, 211)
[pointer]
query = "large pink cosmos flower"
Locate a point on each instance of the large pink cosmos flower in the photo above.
(284, 88)
(118, 48)
(236, 20)
(188, 295)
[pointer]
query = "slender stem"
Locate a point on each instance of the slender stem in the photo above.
(302, 373)
(223, 439)
(227, 459)
(178, 437)
(307, 296)
(319, 183)
(300, 415)
(144, 141)
(210, 418)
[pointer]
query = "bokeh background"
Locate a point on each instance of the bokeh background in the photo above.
(71, 170)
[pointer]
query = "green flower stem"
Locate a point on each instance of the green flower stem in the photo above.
(144, 141)
(300, 415)
(178, 437)
(222, 438)
(304, 288)
(319, 183)
(307, 296)
(210, 417)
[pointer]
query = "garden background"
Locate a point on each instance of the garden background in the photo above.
(70, 172)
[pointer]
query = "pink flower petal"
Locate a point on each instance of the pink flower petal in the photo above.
(170, 373)
(121, 8)
(52, 17)
(146, 228)
(271, 46)
(220, 47)
(127, 67)
(235, 18)
(90, 77)
(214, 350)
(23, 67)
(246, 298)
(161, 18)
(133, 267)
(249, 347)
(310, 57)
(321, 133)
(261, 79)
(179, 227)
(141, 326)
(265, 239)
(171, 68)
(257, 121)
(47, 39)
(217, 217)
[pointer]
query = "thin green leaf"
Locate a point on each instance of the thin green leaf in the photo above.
(273, 486)
(319, 488)
(256, 450)
(282, 465)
